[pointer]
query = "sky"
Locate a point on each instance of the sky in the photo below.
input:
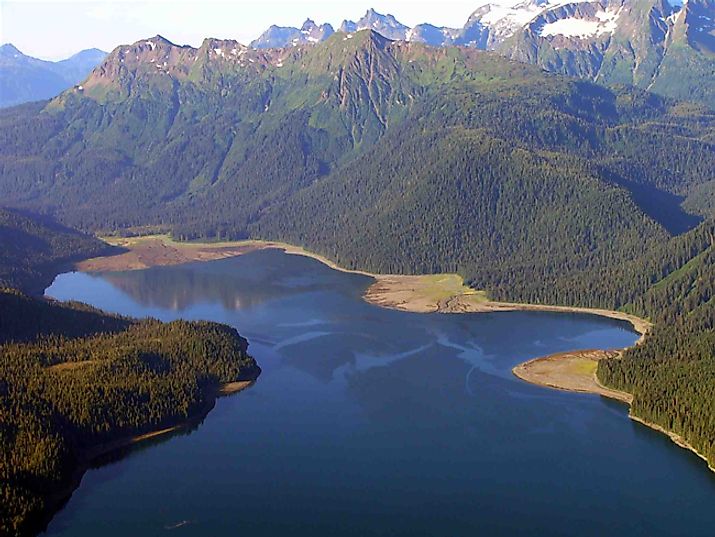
(57, 29)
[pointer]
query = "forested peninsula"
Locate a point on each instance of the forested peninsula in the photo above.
(76, 382)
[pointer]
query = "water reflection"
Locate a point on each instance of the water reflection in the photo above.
(241, 287)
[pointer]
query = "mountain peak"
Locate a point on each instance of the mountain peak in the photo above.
(10, 50)
(387, 25)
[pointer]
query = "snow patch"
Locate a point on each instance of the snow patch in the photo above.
(605, 22)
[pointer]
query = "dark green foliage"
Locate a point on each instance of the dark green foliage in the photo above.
(61, 398)
(25, 319)
(672, 374)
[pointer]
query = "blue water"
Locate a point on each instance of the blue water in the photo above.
(369, 421)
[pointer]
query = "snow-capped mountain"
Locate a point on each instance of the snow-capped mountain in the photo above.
(667, 46)
(281, 36)
(648, 43)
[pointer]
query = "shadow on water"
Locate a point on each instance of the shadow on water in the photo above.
(112, 468)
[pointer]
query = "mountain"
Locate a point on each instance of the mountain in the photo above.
(385, 25)
(664, 47)
(24, 79)
(647, 43)
(492, 23)
(280, 36)
(372, 133)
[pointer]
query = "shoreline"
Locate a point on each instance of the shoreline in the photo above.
(223, 390)
(432, 293)
(428, 293)
(552, 371)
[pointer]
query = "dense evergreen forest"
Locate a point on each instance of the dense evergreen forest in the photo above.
(672, 374)
(33, 250)
(73, 378)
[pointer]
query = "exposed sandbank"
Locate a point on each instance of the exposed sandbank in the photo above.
(575, 371)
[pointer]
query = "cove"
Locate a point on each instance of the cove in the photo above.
(369, 421)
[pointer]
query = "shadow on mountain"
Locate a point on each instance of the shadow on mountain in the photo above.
(663, 207)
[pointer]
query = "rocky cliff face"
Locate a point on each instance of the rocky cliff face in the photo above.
(647, 43)
(654, 44)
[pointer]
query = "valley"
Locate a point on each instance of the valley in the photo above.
(405, 223)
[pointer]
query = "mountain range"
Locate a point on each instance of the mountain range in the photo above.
(664, 46)
(225, 140)
(667, 48)
(24, 78)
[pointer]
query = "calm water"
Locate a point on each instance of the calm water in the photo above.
(368, 421)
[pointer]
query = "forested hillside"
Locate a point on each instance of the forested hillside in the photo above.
(74, 379)
(672, 374)
(444, 158)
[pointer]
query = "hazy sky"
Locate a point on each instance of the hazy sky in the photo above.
(57, 29)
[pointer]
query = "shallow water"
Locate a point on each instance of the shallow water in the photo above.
(368, 421)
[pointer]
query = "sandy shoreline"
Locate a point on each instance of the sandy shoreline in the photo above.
(573, 371)
(430, 293)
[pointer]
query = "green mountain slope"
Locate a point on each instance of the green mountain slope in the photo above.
(227, 141)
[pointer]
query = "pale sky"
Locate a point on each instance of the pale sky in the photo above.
(57, 29)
